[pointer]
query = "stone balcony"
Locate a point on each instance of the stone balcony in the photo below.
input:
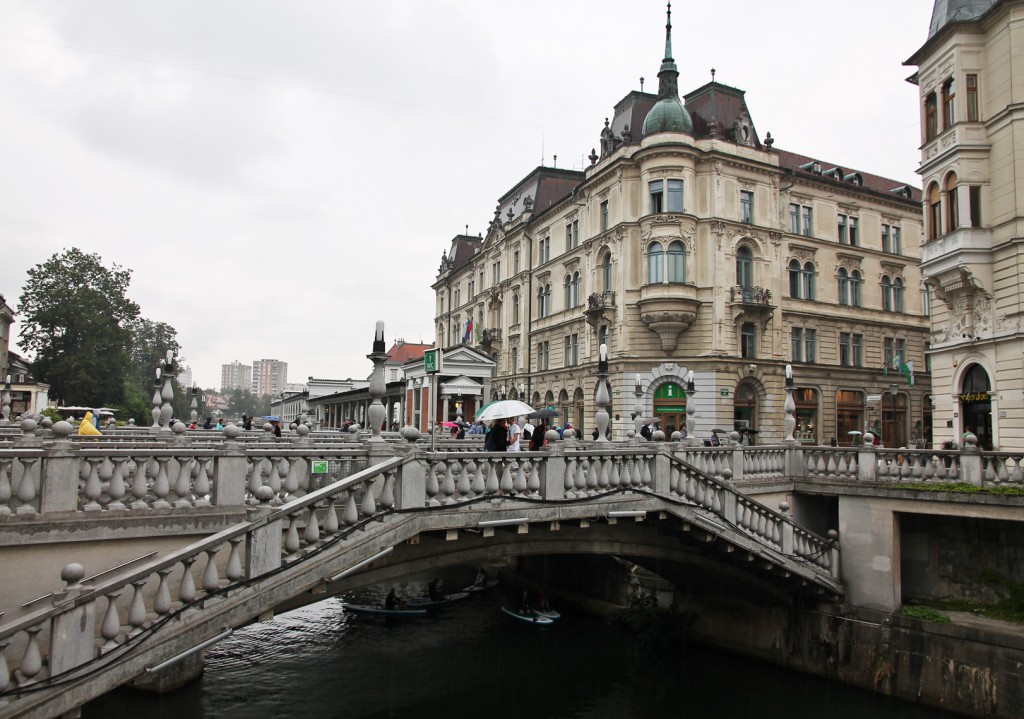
(490, 337)
(753, 304)
(600, 308)
(668, 310)
(965, 246)
(962, 135)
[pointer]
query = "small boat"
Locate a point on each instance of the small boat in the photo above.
(428, 602)
(481, 587)
(549, 613)
(531, 618)
(382, 612)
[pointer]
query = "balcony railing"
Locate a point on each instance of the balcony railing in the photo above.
(752, 295)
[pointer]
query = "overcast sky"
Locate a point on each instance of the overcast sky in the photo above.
(280, 175)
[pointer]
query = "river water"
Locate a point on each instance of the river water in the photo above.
(470, 660)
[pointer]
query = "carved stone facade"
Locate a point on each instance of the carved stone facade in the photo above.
(968, 76)
(683, 245)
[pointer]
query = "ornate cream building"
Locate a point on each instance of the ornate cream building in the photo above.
(692, 243)
(971, 78)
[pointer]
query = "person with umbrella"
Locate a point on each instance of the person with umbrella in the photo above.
(537, 438)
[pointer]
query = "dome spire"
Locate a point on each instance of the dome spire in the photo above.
(668, 75)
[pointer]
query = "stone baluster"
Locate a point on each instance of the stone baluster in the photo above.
(234, 569)
(140, 484)
(162, 600)
(533, 480)
(110, 628)
(187, 586)
(466, 477)
(5, 403)
(137, 609)
(157, 401)
(211, 579)
(603, 396)
(519, 482)
(202, 482)
(161, 484)
(368, 507)
(790, 406)
(448, 485)
(183, 485)
(27, 492)
(433, 487)
(116, 488)
(32, 659)
(93, 487)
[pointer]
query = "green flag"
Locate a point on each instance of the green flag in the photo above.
(907, 370)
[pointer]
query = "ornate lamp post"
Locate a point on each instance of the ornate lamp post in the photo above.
(691, 408)
(5, 412)
(503, 388)
(603, 397)
(195, 403)
(375, 412)
(167, 392)
(790, 405)
(157, 401)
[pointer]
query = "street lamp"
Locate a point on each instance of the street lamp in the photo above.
(503, 391)
(894, 439)
(5, 412)
(790, 405)
(691, 408)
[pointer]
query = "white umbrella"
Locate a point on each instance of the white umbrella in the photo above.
(503, 409)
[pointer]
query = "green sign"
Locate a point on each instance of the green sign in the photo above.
(432, 361)
(320, 466)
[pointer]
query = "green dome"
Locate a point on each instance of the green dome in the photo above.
(668, 115)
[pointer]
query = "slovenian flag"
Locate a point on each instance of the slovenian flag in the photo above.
(469, 332)
(907, 370)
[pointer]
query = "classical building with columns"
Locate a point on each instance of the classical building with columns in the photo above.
(971, 79)
(692, 242)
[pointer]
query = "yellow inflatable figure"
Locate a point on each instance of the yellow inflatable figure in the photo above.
(87, 427)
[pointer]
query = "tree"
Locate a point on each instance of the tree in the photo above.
(149, 344)
(76, 326)
(242, 401)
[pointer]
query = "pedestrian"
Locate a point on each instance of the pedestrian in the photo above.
(595, 434)
(715, 441)
(391, 601)
(220, 424)
(646, 431)
(524, 603)
(206, 422)
(514, 435)
(246, 423)
(528, 430)
(537, 440)
(498, 436)
(277, 429)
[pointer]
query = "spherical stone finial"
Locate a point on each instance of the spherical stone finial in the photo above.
(63, 429)
(569, 433)
(409, 433)
(72, 573)
(179, 428)
(354, 428)
(268, 427)
(970, 439)
(677, 436)
(302, 429)
(833, 534)
(28, 426)
(46, 423)
(232, 432)
(784, 506)
(551, 435)
(264, 494)
(658, 435)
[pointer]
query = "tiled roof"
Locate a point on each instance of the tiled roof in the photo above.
(406, 352)
(792, 161)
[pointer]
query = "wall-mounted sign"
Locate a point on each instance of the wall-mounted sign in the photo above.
(725, 393)
(433, 361)
(974, 397)
(319, 466)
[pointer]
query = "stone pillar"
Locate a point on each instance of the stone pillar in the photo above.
(58, 491)
(411, 489)
(553, 483)
(870, 556)
(263, 544)
(867, 464)
(229, 472)
(971, 463)
(662, 471)
(72, 633)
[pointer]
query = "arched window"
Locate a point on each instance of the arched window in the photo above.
(568, 292)
(575, 289)
(544, 301)
(886, 293)
(794, 279)
(655, 263)
(676, 262)
(952, 209)
(606, 272)
(808, 281)
(844, 286)
(744, 267)
(934, 205)
(855, 288)
(897, 295)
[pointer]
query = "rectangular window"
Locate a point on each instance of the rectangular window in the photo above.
(972, 98)
(604, 336)
(841, 229)
(747, 207)
(543, 355)
(657, 192)
(858, 350)
(748, 340)
(975, 198)
(897, 241)
(543, 250)
(458, 296)
(845, 355)
(572, 235)
(496, 273)
(953, 207)
(886, 239)
(472, 289)
(572, 350)
(796, 343)
(927, 356)
(895, 352)
(948, 113)
(810, 345)
(931, 117)
(515, 262)
(675, 195)
(854, 238)
(604, 216)
(515, 360)
(808, 222)
(794, 219)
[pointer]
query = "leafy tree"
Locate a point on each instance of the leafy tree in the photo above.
(149, 345)
(242, 401)
(76, 326)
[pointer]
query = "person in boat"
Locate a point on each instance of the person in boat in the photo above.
(434, 591)
(542, 600)
(525, 607)
(481, 578)
(391, 601)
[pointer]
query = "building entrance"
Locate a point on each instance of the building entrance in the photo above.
(976, 405)
(670, 407)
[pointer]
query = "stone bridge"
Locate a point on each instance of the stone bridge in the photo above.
(195, 535)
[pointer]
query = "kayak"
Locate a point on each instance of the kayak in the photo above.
(382, 612)
(428, 602)
(528, 618)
